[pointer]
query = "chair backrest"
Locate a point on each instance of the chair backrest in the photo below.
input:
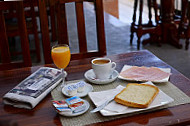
(6, 58)
(60, 6)
(31, 23)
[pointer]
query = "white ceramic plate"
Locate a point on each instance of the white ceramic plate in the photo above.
(91, 77)
(88, 88)
(125, 67)
(160, 100)
(78, 113)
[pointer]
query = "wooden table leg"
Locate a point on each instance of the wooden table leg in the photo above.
(169, 29)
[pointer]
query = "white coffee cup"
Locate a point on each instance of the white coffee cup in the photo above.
(103, 67)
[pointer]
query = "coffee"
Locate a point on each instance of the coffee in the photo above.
(103, 68)
(101, 61)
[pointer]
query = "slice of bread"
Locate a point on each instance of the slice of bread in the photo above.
(137, 95)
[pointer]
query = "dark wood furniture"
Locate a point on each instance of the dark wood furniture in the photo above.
(184, 25)
(31, 23)
(6, 61)
(80, 19)
(51, 10)
(169, 28)
(140, 28)
(165, 31)
(44, 31)
(62, 28)
(31, 12)
(44, 113)
(51, 17)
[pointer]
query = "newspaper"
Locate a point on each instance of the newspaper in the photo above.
(34, 88)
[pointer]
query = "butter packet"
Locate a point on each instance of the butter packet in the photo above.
(76, 104)
(71, 90)
(61, 106)
(81, 86)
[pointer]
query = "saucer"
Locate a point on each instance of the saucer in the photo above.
(88, 88)
(91, 77)
(87, 105)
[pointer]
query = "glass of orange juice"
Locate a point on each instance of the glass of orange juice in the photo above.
(61, 56)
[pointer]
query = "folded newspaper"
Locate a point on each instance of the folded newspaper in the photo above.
(34, 88)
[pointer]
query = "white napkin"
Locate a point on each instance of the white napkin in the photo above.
(101, 97)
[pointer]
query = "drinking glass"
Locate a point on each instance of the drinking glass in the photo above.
(61, 57)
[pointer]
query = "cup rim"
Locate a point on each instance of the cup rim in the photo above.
(92, 61)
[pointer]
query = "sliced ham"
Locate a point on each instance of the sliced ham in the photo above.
(144, 74)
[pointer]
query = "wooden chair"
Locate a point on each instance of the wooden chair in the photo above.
(184, 25)
(141, 29)
(31, 13)
(62, 28)
(51, 14)
(6, 59)
(31, 23)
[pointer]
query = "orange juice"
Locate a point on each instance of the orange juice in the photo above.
(61, 56)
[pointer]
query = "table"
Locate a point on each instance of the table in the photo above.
(44, 113)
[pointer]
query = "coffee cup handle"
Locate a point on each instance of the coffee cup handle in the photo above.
(113, 66)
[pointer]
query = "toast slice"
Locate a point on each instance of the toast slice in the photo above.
(137, 95)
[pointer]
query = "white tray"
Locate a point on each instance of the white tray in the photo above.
(160, 100)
